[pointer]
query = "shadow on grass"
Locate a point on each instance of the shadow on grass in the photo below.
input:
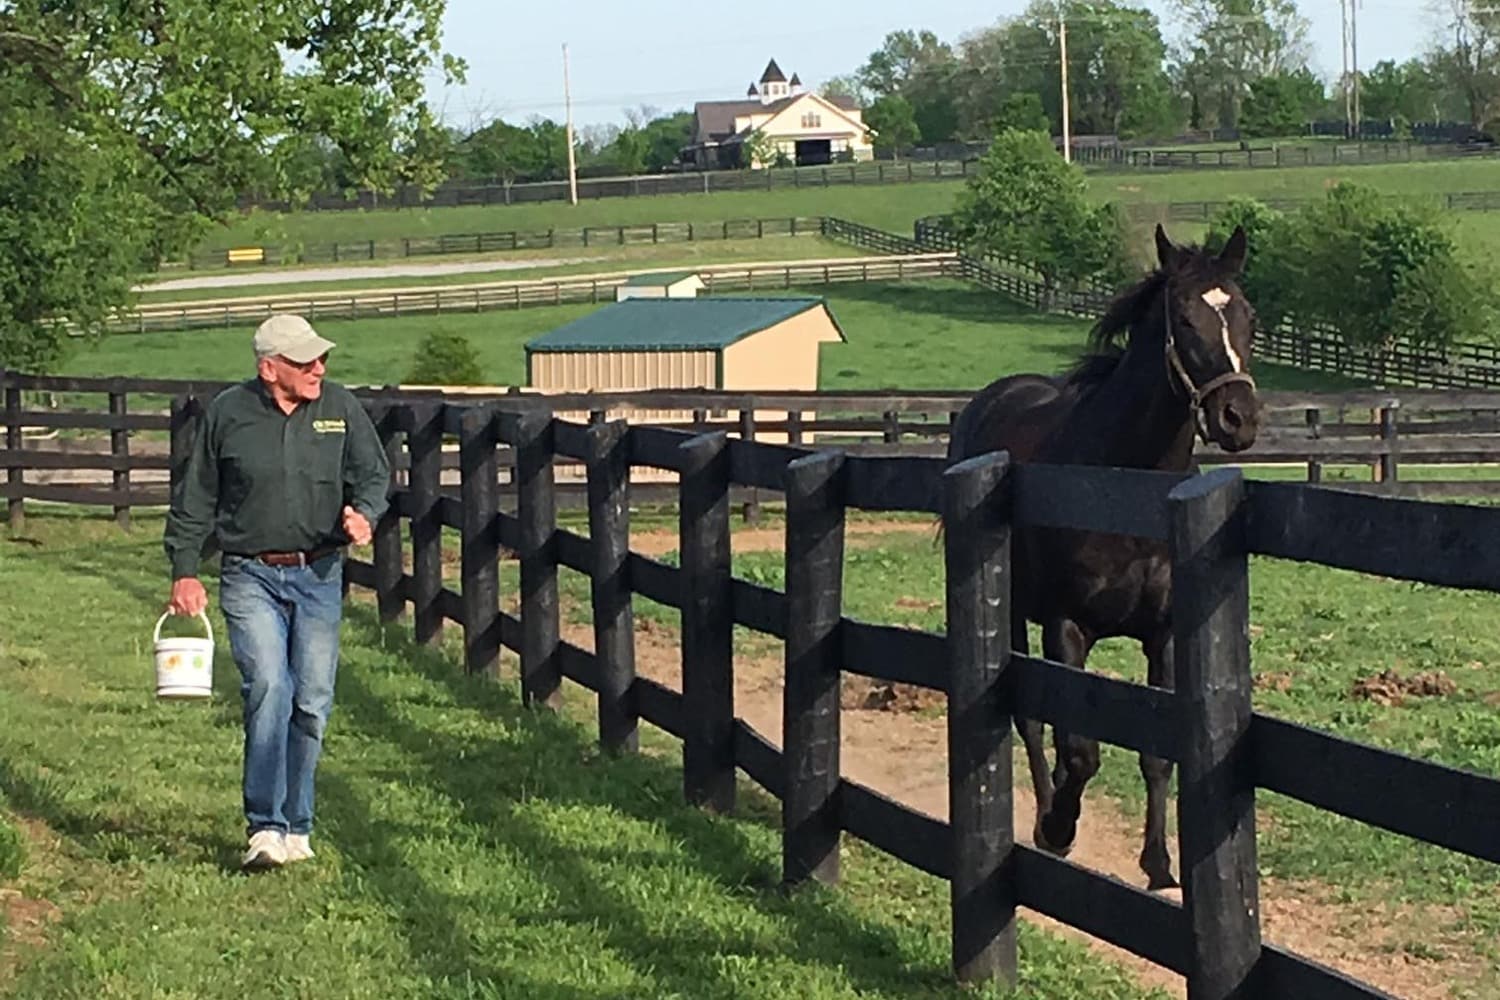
(549, 758)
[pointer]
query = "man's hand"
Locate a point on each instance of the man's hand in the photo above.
(188, 596)
(356, 526)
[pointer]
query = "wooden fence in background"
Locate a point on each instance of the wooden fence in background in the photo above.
(1210, 523)
(489, 296)
(624, 234)
(105, 441)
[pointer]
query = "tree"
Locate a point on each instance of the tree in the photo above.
(919, 67)
(1026, 203)
(1371, 268)
(1023, 112)
(1235, 42)
(1470, 65)
(894, 124)
(845, 86)
(127, 129)
(1116, 81)
(1280, 104)
(445, 357)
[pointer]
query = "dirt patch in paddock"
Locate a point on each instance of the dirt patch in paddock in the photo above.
(1390, 688)
(657, 542)
(26, 920)
(894, 740)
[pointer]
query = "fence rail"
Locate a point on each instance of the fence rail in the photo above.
(631, 234)
(1104, 158)
(648, 233)
(1459, 366)
(489, 296)
(115, 452)
(1211, 523)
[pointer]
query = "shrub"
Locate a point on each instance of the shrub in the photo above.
(1027, 203)
(445, 357)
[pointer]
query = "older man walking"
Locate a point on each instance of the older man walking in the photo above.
(286, 471)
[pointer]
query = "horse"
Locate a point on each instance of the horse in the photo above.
(1168, 360)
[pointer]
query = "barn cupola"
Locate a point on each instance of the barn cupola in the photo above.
(773, 85)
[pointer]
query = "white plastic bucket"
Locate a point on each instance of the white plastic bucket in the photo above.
(184, 666)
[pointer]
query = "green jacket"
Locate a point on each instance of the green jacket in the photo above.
(266, 481)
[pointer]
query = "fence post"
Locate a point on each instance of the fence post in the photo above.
(751, 510)
(15, 475)
(707, 622)
(119, 450)
(977, 555)
(480, 556)
(390, 596)
(1389, 434)
(810, 712)
(424, 442)
(1315, 432)
(608, 460)
(536, 506)
(1216, 792)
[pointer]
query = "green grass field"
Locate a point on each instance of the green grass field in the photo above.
(916, 335)
(468, 847)
(892, 206)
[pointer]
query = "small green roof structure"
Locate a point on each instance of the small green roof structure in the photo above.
(659, 279)
(712, 342)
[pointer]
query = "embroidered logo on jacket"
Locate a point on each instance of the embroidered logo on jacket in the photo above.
(332, 426)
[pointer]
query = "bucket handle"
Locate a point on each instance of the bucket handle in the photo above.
(156, 636)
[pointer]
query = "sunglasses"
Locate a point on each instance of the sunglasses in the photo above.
(304, 366)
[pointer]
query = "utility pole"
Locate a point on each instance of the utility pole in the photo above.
(1348, 81)
(568, 103)
(1062, 48)
(1354, 58)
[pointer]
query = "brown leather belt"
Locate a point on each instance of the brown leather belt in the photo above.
(294, 558)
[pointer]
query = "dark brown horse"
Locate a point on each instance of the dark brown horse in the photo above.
(1171, 350)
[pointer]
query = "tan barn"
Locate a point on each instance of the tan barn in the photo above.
(661, 285)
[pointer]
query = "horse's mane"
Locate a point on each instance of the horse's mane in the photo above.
(1110, 335)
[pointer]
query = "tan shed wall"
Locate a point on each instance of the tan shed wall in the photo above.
(784, 356)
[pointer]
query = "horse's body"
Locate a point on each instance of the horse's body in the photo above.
(1187, 332)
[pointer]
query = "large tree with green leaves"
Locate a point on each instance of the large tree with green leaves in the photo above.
(921, 68)
(1116, 80)
(1232, 43)
(128, 128)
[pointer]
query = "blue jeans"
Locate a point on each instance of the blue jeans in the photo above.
(284, 635)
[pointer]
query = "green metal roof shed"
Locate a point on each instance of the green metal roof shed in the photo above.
(721, 342)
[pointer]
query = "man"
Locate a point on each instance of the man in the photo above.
(286, 470)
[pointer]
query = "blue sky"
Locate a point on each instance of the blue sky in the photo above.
(626, 53)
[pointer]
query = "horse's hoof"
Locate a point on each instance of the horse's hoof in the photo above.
(1160, 881)
(1058, 842)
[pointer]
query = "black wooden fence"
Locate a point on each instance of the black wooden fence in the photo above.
(104, 441)
(1211, 524)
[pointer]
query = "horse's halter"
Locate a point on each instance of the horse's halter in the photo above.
(1196, 394)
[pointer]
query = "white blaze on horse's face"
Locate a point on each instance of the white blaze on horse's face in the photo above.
(1217, 299)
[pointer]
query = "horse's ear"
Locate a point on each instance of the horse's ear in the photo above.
(1167, 252)
(1233, 254)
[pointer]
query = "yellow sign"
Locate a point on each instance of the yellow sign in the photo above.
(247, 255)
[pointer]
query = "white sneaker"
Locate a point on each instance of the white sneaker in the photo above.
(267, 850)
(297, 847)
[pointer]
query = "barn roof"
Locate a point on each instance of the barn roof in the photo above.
(676, 324)
(659, 279)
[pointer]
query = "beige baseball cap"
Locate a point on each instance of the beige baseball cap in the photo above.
(292, 337)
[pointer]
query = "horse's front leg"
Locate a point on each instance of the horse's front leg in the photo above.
(1032, 731)
(1064, 641)
(1156, 860)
